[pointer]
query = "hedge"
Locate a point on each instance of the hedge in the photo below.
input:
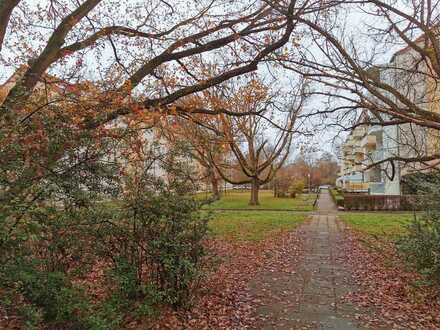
(337, 197)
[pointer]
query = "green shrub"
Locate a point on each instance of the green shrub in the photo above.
(296, 187)
(338, 197)
(420, 182)
(130, 294)
(156, 241)
(421, 246)
(30, 315)
(47, 296)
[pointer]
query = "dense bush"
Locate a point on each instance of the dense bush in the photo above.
(152, 238)
(159, 234)
(420, 182)
(51, 177)
(421, 246)
(47, 298)
(74, 200)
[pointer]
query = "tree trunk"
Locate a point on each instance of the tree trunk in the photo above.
(215, 187)
(254, 192)
(213, 178)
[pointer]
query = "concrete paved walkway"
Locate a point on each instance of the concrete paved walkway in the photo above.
(315, 288)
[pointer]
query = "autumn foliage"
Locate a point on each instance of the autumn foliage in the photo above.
(112, 112)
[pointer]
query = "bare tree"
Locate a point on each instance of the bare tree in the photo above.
(257, 156)
(205, 145)
(348, 66)
(159, 53)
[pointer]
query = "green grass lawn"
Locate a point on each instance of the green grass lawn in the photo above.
(240, 200)
(252, 225)
(388, 225)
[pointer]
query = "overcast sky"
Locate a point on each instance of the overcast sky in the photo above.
(354, 21)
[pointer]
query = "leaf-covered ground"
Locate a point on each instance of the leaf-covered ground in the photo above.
(393, 295)
(252, 225)
(226, 300)
(396, 295)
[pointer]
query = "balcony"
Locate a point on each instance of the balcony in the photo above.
(354, 177)
(360, 158)
(369, 142)
(377, 188)
(358, 132)
(357, 187)
(349, 143)
(347, 152)
(377, 156)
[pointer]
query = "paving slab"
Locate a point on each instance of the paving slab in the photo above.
(313, 291)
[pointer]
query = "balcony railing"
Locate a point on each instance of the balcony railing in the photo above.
(353, 177)
(377, 188)
(359, 132)
(357, 186)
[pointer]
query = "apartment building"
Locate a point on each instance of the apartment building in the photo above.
(366, 146)
(363, 168)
